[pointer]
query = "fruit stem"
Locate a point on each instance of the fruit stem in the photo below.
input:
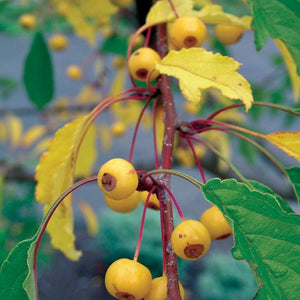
(138, 246)
(47, 218)
(173, 8)
(197, 160)
(137, 128)
(264, 104)
(154, 112)
(167, 101)
(180, 213)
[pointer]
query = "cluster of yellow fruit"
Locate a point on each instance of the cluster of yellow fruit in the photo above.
(184, 32)
(191, 239)
(118, 180)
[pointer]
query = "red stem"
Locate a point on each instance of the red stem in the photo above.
(166, 98)
(174, 9)
(154, 135)
(270, 105)
(180, 213)
(48, 217)
(138, 246)
(137, 128)
(196, 159)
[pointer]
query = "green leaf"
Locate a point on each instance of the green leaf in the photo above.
(294, 178)
(38, 73)
(116, 45)
(15, 270)
(279, 19)
(265, 235)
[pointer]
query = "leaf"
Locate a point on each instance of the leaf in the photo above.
(278, 19)
(54, 174)
(90, 218)
(15, 129)
(87, 154)
(199, 69)
(265, 235)
(38, 73)
(33, 134)
(287, 141)
(84, 15)
(294, 178)
(115, 44)
(162, 12)
(291, 67)
(15, 270)
(214, 14)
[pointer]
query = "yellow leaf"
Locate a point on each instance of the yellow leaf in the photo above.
(54, 174)
(15, 129)
(33, 134)
(90, 218)
(214, 14)
(199, 69)
(87, 154)
(84, 15)
(162, 12)
(104, 132)
(291, 67)
(287, 141)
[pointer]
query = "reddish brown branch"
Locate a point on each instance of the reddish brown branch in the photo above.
(170, 116)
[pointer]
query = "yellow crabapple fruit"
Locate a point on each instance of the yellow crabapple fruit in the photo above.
(119, 62)
(159, 289)
(74, 72)
(216, 224)
(190, 240)
(27, 21)
(58, 42)
(142, 62)
(138, 42)
(187, 32)
(117, 178)
(126, 279)
(118, 128)
(124, 205)
(153, 201)
(228, 34)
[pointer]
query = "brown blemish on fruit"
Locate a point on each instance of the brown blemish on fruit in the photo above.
(141, 73)
(240, 84)
(132, 171)
(193, 251)
(136, 53)
(224, 236)
(214, 78)
(190, 41)
(181, 235)
(125, 296)
(109, 182)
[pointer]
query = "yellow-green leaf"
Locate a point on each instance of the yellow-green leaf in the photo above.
(214, 14)
(199, 69)
(162, 12)
(54, 174)
(87, 153)
(287, 141)
(291, 67)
